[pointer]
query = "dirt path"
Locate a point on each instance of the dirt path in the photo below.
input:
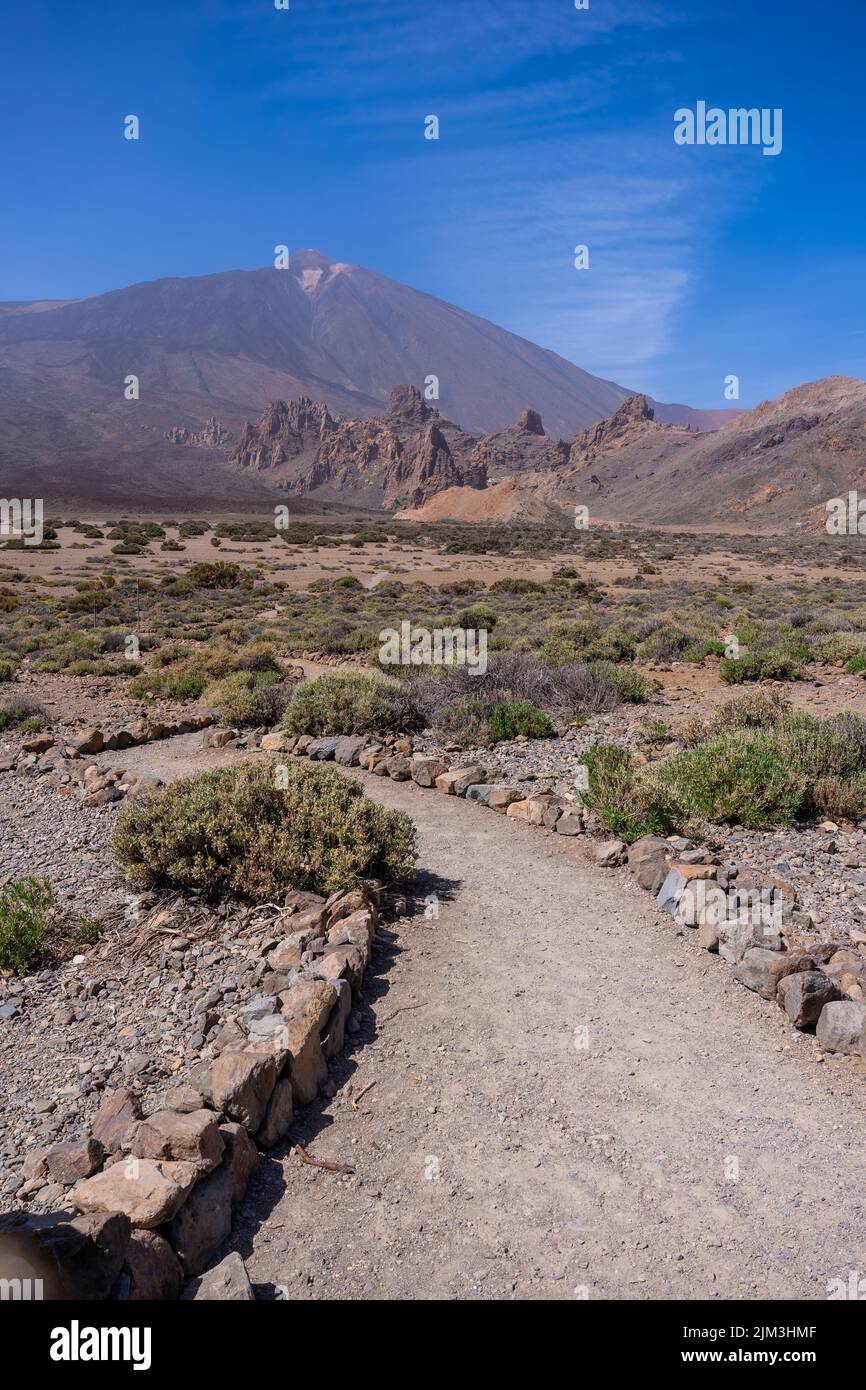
(685, 1144)
(494, 1157)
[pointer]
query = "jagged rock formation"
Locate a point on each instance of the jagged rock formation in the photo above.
(288, 430)
(398, 459)
(522, 446)
(212, 435)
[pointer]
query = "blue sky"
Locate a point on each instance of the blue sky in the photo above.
(261, 126)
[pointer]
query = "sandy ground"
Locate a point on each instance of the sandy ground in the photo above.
(570, 1100)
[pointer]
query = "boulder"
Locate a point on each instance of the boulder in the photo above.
(841, 1026)
(571, 822)
(455, 782)
(678, 877)
(306, 1009)
(153, 1268)
(610, 853)
(38, 743)
(184, 1099)
(322, 750)
(278, 1117)
(648, 861)
(347, 904)
(348, 749)
(145, 1191)
(480, 792)
(240, 1084)
(203, 1222)
(79, 1158)
(847, 969)
(502, 797)
(755, 970)
(426, 770)
(115, 1118)
(193, 1137)
(803, 995)
(240, 1157)
(334, 1032)
(342, 963)
(277, 743)
(90, 740)
(227, 1282)
(398, 767)
(79, 1258)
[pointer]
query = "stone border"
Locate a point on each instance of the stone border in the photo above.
(152, 1198)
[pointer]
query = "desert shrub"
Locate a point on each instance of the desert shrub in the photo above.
(87, 667)
(856, 664)
(248, 698)
(738, 777)
(851, 727)
(840, 800)
(23, 923)
(7, 670)
(733, 670)
(257, 656)
(519, 717)
(517, 586)
(219, 574)
(464, 720)
(21, 710)
(838, 646)
(763, 777)
(580, 688)
(757, 710)
(667, 643)
(477, 618)
(631, 802)
(634, 688)
(180, 680)
(350, 704)
(259, 829)
(780, 664)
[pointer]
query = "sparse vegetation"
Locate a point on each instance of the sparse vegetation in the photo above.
(23, 923)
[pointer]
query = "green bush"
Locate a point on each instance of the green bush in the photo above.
(631, 802)
(260, 829)
(7, 670)
(218, 574)
(248, 698)
(856, 664)
(733, 670)
(738, 777)
(349, 704)
(23, 923)
(519, 717)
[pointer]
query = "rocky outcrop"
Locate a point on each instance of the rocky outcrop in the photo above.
(288, 430)
(212, 435)
(397, 459)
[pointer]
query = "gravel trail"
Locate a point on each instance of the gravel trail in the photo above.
(571, 1100)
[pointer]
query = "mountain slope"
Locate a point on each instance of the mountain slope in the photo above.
(225, 345)
(780, 462)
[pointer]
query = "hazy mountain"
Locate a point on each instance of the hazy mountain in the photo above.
(226, 345)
